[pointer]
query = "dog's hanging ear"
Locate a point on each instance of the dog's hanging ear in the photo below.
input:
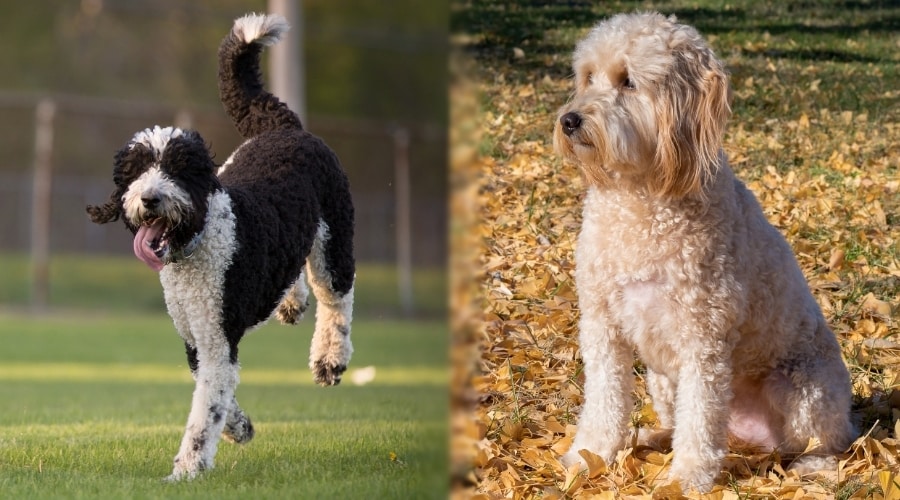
(108, 212)
(188, 152)
(188, 157)
(128, 163)
(692, 112)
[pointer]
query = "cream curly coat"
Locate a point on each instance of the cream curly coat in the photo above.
(676, 260)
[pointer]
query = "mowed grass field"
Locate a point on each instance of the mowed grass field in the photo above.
(93, 405)
(114, 283)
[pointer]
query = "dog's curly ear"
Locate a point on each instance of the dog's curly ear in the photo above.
(188, 155)
(692, 113)
(108, 212)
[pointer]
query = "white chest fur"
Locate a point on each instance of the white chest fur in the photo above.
(194, 288)
(631, 258)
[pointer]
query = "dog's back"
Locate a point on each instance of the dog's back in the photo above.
(279, 156)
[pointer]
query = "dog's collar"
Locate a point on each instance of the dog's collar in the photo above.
(188, 251)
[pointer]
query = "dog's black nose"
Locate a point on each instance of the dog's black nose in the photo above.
(570, 122)
(150, 201)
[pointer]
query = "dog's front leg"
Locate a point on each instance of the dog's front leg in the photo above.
(608, 385)
(216, 377)
(238, 427)
(703, 395)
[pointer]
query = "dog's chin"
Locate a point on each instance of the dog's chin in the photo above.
(584, 155)
(587, 154)
(604, 163)
(580, 145)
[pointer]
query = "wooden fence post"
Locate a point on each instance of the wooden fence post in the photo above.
(402, 220)
(41, 202)
(287, 66)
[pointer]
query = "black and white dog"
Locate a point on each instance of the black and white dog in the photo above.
(231, 244)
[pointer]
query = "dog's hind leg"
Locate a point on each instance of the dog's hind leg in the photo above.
(662, 391)
(294, 303)
(331, 347)
(816, 396)
(238, 427)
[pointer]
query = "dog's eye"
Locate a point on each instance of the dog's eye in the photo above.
(628, 84)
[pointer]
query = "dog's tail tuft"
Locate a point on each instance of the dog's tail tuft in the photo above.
(252, 109)
(260, 28)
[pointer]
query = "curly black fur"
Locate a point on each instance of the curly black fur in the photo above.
(283, 174)
(252, 109)
(188, 160)
(280, 199)
(265, 198)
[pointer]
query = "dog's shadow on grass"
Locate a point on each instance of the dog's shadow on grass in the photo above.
(550, 27)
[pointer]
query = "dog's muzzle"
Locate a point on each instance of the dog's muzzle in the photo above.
(570, 122)
(151, 202)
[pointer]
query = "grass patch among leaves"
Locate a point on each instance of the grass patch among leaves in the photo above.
(814, 133)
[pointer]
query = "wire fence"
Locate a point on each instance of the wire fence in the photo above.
(87, 132)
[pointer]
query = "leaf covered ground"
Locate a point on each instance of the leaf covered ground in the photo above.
(815, 134)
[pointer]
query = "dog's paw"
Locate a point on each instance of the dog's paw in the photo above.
(290, 312)
(181, 474)
(701, 477)
(811, 464)
(178, 476)
(326, 374)
(658, 439)
(572, 457)
(239, 429)
(187, 467)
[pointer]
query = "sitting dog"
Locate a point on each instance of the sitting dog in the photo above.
(231, 245)
(676, 260)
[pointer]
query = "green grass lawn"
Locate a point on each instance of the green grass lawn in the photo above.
(93, 406)
(117, 283)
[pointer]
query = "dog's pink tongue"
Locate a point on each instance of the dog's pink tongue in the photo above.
(145, 235)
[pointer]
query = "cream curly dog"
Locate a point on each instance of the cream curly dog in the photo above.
(676, 260)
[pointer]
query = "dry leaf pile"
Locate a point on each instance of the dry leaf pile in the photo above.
(827, 178)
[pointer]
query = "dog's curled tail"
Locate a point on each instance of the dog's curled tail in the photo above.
(252, 109)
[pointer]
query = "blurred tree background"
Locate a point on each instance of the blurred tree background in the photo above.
(113, 67)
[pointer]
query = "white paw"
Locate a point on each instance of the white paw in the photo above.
(327, 374)
(810, 464)
(187, 468)
(572, 458)
(290, 311)
(178, 475)
(694, 475)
